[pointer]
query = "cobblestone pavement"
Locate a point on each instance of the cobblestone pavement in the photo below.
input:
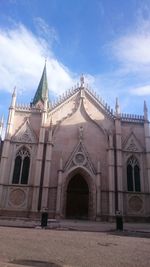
(59, 248)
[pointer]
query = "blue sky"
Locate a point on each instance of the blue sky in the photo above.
(106, 40)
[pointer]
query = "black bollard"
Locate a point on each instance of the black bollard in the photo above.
(44, 219)
(119, 221)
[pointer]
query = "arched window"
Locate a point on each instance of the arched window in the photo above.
(133, 175)
(21, 167)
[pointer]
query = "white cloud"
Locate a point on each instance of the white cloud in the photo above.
(22, 60)
(45, 31)
(141, 91)
(132, 50)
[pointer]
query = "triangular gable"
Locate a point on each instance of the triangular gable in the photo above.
(132, 144)
(100, 103)
(25, 134)
(84, 93)
(80, 157)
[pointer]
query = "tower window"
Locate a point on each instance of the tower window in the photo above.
(21, 167)
(133, 175)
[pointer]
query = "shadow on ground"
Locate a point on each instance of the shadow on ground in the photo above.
(35, 263)
(127, 233)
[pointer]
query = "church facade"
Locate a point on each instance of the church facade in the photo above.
(76, 158)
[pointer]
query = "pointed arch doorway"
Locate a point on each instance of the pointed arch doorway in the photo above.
(77, 204)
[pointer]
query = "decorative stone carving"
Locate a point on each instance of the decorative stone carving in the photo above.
(132, 146)
(81, 133)
(135, 204)
(25, 134)
(80, 159)
(17, 197)
(24, 137)
(82, 80)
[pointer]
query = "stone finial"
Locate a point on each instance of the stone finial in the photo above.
(13, 99)
(117, 107)
(145, 111)
(82, 81)
(82, 95)
(81, 133)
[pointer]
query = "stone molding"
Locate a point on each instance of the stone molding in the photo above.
(80, 157)
(25, 134)
(132, 144)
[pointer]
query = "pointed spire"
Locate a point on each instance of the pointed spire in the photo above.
(145, 111)
(42, 90)
(13, 99)
(117, 107)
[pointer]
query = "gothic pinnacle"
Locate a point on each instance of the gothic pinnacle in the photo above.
(117, 107)
(13, 100)
(145, 111)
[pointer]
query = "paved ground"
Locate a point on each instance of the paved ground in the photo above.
(60, 248)
(91, 226)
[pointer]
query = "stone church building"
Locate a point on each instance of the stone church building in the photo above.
(76, 157)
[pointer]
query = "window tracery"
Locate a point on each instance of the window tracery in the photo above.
(21, 167)
(133, 175)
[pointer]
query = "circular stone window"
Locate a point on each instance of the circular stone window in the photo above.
(79, 159)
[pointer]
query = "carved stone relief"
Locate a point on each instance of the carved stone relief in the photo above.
(132, 146)
(80, 157)
(24, 137)
(17, 197)
(25, 134)
(135, 204)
